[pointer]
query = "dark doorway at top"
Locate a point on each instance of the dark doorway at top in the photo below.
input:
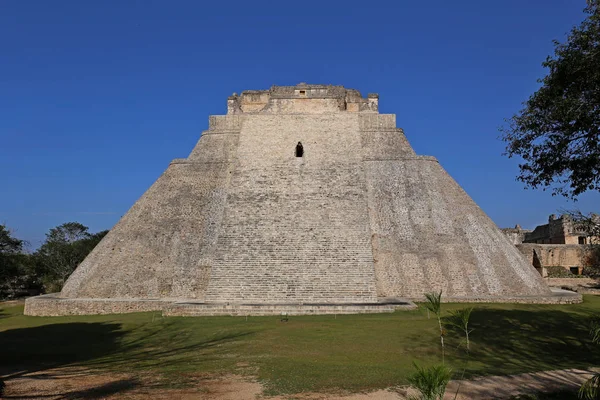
(299, 150)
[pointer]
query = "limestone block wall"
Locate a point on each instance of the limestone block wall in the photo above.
(574, 283)
(428, 235)
(304, 106)
(267, 140)
(292, 233)
(380, 139)
(515, 235)
(215, 147)
(549, 255)
(296, 229)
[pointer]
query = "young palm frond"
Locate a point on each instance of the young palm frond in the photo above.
(434, 304)
(431, 381)
(460, 320)
(595, 331)
(590, 390)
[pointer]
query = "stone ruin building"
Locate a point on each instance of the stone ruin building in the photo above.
(560, 230)
(302, 199)
(559, 243)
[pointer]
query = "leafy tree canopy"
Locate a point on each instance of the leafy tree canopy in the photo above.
(13, 264)
(68, 232)
(65, 247)
(557, 134)
(9, 244)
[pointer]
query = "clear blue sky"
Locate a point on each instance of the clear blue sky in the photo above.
(96, 97)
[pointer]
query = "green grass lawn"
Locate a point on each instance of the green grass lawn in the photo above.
(308, 353)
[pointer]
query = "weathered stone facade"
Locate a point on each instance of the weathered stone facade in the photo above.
(559, 243)
(560, 230)
(358, 220)
(572, 257)
(516, 235)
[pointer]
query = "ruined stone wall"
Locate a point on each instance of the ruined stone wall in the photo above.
(551, 255)
(558, 231)
(302, 99)
(576, 283)
(303, 106)
(515, 235)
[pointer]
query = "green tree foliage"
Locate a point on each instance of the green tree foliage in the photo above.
(557, 133)
(8, 244)
(65, 247)
(12, 268)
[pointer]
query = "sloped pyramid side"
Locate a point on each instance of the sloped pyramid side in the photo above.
(429, 235)
(162, 247)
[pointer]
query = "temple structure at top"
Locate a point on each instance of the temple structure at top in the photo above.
(303, 99)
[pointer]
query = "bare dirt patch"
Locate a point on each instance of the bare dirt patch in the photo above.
(78, 383)
(502, 387)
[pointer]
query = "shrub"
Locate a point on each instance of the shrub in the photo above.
(431, 381)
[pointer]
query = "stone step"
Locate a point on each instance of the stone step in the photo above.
(196, 309)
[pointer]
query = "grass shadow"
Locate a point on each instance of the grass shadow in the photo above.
(106, 389)
(181, 351)
(36, 351)
(515, 341)
(97, 392)
(32, 349)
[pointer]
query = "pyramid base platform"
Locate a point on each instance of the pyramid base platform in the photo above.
(53, 305)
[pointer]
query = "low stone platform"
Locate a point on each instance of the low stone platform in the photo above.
(557, 296)
(52, 305)
(193, 309)
(577, 284)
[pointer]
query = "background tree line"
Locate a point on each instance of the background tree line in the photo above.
(46, 269)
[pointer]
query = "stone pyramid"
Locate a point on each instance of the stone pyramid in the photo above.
(302, 199)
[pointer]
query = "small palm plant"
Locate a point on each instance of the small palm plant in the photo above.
(590, 390)
(434, 304)
(431, 381)
(460, 320)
